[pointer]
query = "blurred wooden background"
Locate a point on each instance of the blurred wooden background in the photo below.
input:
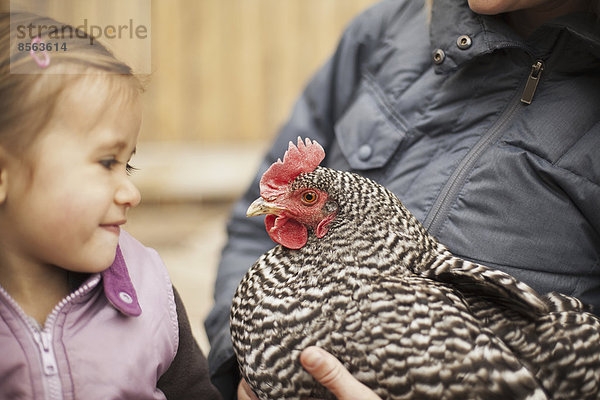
(229, 70)
(222, 70)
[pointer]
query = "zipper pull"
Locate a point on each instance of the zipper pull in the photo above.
(44, 343)
(532, 82)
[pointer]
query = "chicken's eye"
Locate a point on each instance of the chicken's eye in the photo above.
(309, 197)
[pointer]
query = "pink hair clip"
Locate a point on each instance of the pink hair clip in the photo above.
(42, 60)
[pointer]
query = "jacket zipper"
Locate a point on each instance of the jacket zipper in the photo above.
(43, 338)
(532, 82)
(52, 386)
(442, 205)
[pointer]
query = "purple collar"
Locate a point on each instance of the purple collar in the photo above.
(119, 289)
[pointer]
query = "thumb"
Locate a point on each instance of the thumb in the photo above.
(327, 369)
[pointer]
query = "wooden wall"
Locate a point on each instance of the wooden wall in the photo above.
(222, 70)
(231, 69)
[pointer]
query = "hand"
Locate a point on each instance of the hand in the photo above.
(244, 392)
(326, 369)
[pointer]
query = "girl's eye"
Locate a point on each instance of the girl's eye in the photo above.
(309, 197)
(109, 163)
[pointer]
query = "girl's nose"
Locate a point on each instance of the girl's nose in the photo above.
(128, 194)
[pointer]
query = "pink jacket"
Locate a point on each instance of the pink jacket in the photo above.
(110, 339)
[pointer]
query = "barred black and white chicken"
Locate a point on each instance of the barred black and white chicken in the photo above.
(356, 274)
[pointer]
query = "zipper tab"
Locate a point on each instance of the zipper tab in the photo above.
(48, 360)
(532, 82)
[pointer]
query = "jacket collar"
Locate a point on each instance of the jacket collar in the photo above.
(584, 26)
(118, 287)
(490, 33)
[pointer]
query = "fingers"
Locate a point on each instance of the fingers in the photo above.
(326, 369)
(244, 392)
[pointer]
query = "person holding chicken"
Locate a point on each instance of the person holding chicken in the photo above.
(481, 116)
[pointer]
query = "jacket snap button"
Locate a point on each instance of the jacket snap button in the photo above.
(464, 42)
(364, 152)
(125, 297)
(439, 56)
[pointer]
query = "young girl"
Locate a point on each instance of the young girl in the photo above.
(86, 311)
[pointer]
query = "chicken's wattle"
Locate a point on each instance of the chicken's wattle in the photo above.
(286, 231)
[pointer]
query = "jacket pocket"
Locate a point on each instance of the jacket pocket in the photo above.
(368, 132)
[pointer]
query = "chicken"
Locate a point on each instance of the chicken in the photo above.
(356, 274)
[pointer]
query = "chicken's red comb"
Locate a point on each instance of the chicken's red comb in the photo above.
(303, 158)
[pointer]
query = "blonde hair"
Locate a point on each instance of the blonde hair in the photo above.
(29, 92)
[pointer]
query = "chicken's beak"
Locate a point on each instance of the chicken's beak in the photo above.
(262, 207)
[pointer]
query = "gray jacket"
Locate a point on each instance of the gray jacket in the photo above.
(435, 113)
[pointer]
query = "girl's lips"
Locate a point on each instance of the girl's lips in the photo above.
(114, 227)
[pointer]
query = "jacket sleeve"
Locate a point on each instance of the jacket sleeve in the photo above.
(187, 377)
(313, 116)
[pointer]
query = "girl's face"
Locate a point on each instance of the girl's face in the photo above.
(67, 197)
